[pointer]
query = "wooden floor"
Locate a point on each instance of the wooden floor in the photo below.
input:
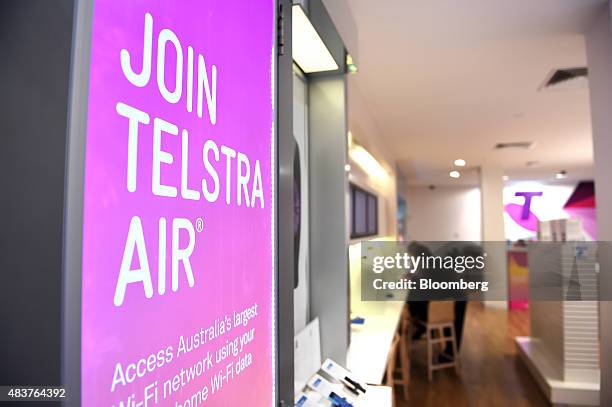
(491, 374)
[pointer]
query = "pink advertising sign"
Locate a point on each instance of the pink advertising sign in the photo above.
(178, 279)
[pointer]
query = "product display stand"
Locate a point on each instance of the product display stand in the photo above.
(333, 385)
(562, 352)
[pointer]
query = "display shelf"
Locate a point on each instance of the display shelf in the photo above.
(543, 368)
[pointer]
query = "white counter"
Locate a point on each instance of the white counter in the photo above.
(370, 342)
(376, 396)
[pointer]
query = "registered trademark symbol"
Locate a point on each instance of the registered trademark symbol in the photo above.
(199, 224)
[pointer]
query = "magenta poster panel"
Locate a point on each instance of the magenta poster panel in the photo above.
(178, 247)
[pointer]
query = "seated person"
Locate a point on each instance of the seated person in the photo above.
(418, 303)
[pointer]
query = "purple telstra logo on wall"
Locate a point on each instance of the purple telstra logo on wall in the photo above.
(522, 214)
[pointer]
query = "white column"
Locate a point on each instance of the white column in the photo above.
(492, 189)
(599, 60)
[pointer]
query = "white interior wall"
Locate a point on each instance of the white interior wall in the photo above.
(366, 132)
(492, 205)
(492, 209)
(444, 213)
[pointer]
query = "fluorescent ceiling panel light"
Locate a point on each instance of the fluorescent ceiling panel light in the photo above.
(309, 50)
(366, 161)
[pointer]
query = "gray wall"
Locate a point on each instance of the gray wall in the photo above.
(35, 41)
(328, 233)
(599, 60)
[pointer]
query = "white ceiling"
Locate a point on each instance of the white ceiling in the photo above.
(447, 79)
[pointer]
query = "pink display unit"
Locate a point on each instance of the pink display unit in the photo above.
(518, 279)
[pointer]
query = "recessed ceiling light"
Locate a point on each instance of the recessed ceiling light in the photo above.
(460, 162)
(505, 178)
(561, 174)
(454, 174)
(347, 167)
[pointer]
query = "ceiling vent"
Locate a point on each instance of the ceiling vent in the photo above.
(514, 144)
(566, 79)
